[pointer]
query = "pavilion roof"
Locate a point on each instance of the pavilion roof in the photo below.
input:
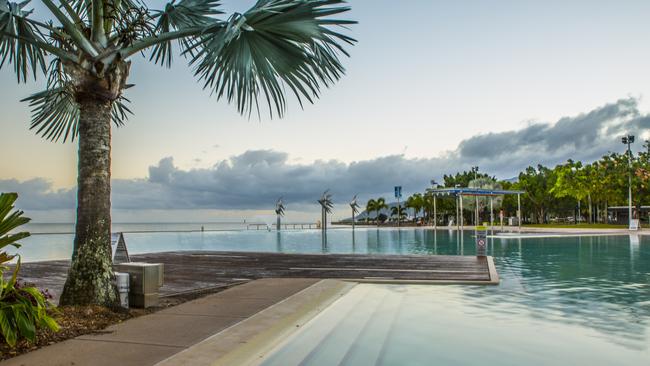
(466, 191)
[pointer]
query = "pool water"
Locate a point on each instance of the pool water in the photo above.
(562, 300)
(40, 247)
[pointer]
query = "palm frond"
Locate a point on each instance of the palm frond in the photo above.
(17, 41)
(182, 15)
(55, 112)
(277, 43)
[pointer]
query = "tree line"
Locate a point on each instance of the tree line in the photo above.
(569, 192)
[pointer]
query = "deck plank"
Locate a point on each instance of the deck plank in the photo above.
(195, 270)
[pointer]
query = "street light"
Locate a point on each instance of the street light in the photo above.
(629, 140)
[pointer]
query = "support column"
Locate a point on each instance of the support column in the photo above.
(519, 210)
(435, 214)
(461, 212)
(492, 214)
(457, 221)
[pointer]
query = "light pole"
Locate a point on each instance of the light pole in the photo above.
(629, 140)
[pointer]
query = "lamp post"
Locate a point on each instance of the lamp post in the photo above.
(629, 140)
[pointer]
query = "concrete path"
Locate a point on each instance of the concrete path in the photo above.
(152, 338)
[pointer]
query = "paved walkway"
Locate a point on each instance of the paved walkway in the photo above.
(152, 338)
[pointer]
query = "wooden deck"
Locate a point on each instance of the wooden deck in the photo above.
(194, 271)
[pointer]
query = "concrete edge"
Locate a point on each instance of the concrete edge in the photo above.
(494, 275)
(254, 344)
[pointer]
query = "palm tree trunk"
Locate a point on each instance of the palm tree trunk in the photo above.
(90, 278)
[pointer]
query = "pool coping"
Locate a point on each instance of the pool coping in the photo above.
(256, 336)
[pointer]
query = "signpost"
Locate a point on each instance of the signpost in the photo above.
(398, 195)
(481, 241)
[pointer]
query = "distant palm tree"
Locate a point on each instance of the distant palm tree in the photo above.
(370, 206)
(402, 212)
(380, 204)
(277, 46)
(416, 202)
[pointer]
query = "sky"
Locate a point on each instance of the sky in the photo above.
(431, 87)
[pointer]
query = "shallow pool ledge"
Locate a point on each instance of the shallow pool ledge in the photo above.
(251, 339)
(491, 270)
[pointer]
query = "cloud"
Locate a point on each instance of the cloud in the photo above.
(584, 137)
(256, 178)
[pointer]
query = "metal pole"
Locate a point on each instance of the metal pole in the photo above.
(352, 218)
(491, 214)
(435, 214)
(399, 209)
(457, 222)
(461, 212)
(629, 184)
(519, 210)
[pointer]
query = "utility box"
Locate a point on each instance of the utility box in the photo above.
(145, 279)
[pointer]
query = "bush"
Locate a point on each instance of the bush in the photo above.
(23, 309)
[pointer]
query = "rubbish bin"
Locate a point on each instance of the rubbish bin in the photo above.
(122, 281)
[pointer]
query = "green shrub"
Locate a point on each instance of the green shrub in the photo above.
(23, 309)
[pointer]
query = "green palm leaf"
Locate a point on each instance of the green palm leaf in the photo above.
(55, 112)
(182, 15)
(275, 44)
(15, 33)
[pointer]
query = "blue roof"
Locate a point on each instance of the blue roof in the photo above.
(466, 191)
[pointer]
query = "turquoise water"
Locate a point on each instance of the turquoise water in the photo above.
(561, 301)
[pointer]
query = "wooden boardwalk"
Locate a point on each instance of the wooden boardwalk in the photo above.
(191, 271)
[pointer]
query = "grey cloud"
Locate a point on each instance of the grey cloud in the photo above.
(37, 194)
(584, 137)
(255, 179)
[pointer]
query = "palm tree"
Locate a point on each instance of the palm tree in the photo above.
(85, 54)
(394, 212)
(416, 202)
(380, 204)
(370, 206)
